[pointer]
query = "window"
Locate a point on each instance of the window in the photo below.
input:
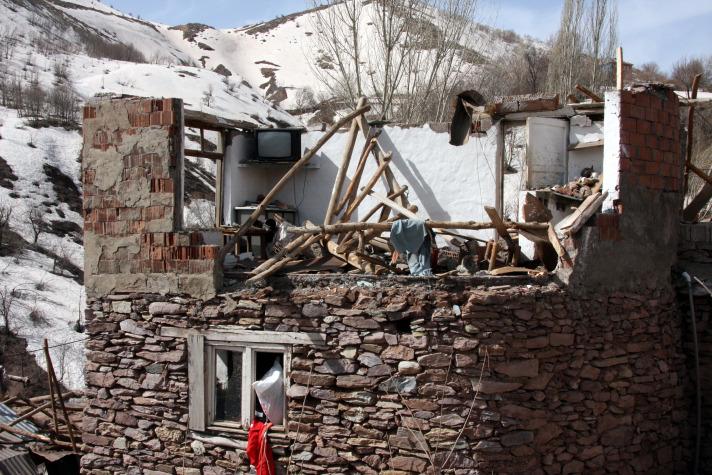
(222, 365)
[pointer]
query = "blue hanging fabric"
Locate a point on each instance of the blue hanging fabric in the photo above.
(411, 238)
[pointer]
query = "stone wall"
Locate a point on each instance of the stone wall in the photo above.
(133, 187)
(633, 241)
(414, 374)
(695, 257)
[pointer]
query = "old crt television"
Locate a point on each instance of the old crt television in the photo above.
(279, 145)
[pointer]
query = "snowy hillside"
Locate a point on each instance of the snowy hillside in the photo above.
(282, 55)
(54, 46)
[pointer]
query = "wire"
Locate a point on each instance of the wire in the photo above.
(42, 349)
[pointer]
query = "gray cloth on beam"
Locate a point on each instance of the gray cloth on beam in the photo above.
(411, 238)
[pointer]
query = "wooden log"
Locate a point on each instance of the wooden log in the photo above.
(343, 167)
(589, 93)
(281, 254)
(51, 386)
(493, 256)
(347, 243)
(29, 413)
(501, 228)
(366, 189)
(350, 194)
(50, 368)
(285, 260)
(378, 152)
(287, 176)
(700, 173)
(575, 221)
(32, 435)
(355, 260)
(386, 226)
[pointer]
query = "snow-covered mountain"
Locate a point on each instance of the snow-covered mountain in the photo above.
(49, 47)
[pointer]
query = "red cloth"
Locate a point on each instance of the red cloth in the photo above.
(258, 449)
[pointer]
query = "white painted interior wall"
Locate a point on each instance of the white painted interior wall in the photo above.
(444, 181)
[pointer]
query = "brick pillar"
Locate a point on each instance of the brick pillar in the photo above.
(634, 239)
(132, 169)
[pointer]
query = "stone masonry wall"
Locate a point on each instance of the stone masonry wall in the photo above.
(695, 256)
(415, 374)
(133, 185)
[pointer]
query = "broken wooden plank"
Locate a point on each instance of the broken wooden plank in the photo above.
(285, 260)
(500, 227)
(505, 270)
(690, 127)
(493, 256)
(355, 260)
(286, 178)
(589, 93)
(386, 226)
(583, 213)
(586, 145)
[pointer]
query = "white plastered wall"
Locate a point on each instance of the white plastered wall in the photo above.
(445, 182)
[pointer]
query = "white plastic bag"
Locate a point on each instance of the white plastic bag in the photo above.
(270, 392)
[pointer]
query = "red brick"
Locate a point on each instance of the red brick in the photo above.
(628, 124)
(643, 126)
(644, 153)
(167, 104)
(637, 112)
(167, 118)
(637, 139)
(652, 168)
(651, 141)
(642, 100)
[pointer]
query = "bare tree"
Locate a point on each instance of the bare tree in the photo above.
(5, 215)
(651, 72)
(406, 55)
(587, 37)
(10, 300)
(35, 219)
(208, 96)
(685, 70)
(520, 71)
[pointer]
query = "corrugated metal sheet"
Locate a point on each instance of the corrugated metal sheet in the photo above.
(13, 462)
(7, 415)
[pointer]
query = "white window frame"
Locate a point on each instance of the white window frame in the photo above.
(201, 368)
(247, 396)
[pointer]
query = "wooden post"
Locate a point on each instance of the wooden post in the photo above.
(350, 194)
(690, 126)
(283, 181)
(619, 68)
(493, 256)
(53, 379)
(379, 153)
(51, 386)
(344, 167)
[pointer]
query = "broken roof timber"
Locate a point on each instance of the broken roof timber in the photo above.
(206, 121)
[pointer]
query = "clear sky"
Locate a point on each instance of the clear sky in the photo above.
(650, 30)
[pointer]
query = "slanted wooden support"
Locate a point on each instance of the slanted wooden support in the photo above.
(32, 435)
(355, 260)
(500, 227)
(343, 167)
(30, 413)
(281, 254)
(51, 387)
(53, 379)
(690, 136)
(573, 222)
(285, 179)
(285, 260)
(554, 240)
(700, 173)
(589, 93)
(366, 189)
(378, 152)
(351, 191)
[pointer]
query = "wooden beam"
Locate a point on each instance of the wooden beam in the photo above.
(619, 68)
(493, 256)
(32, 435)
(700, 173)
(209, 155)
(236, 334)
(219, 183)
(53, 379)
(198, 119)
(351, 191)
(366, 189)
(573, 222)
(690, 136)
(285, 179)
(386, 226)
(343, 167)
(355, 260)
(589, 93)
(285, 260)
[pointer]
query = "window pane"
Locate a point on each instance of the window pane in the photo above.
(228, 385)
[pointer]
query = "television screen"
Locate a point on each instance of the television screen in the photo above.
(274, 145)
